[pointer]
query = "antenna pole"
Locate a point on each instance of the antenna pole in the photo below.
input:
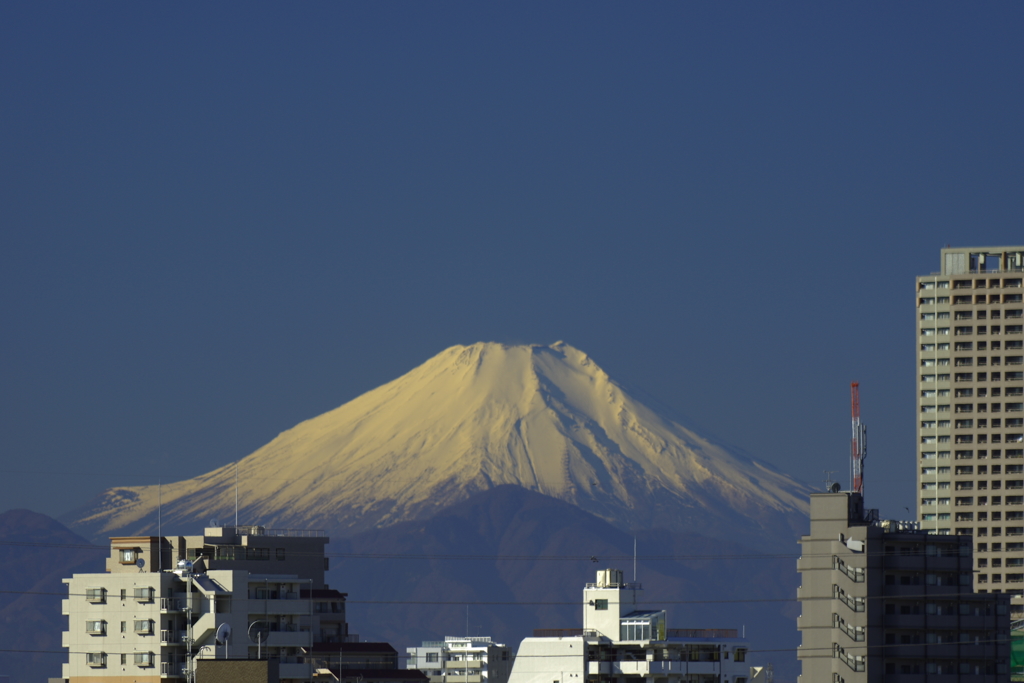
(858, 442)
(634, 559)
(159, 527)
(236, 496)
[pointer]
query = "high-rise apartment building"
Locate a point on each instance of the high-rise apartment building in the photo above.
(970, 406)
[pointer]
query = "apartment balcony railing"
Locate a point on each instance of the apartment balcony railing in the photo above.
(172, 604)
(856, 574)
(855, 604)
(856, 633)
(855, 662)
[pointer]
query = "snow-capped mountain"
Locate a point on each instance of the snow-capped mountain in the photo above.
(546, 418)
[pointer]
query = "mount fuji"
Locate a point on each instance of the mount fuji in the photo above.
(470, 419)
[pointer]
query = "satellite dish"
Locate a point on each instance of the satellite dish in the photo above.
(223, 633)
(214, 522)
(835, 487)
(258, 634)
(140, 563)
(258, 631)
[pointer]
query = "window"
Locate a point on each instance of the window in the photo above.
(280, 553)
(741, 655)
(143, 626)
(600, 604)
(431, 656)
(96, 659)
(143, 659)
(144, 594)
(96, 594)
(96, 628)
(128, 555)
(257, 553)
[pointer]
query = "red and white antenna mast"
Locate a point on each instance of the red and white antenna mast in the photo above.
(859, 443)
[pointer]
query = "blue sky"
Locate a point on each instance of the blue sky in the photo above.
(221, 219)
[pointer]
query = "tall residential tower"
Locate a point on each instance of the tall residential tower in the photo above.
(970, 405)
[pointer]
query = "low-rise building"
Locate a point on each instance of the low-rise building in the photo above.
(470, 659)
(163, 601)
(621, 642)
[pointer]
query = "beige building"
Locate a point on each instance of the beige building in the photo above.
(970, 405)
(162, 601)
(887, 601)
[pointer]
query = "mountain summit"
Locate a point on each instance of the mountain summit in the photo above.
(545, 418)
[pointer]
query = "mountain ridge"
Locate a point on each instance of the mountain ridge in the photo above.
(546, 418)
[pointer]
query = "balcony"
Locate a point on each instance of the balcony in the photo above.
(172, 605)
(171, 637)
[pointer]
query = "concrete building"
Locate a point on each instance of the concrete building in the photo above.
(462, 660)
(970, 357)
(161, 602)
(888, 601)
(620, 642)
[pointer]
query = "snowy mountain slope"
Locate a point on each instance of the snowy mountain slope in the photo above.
(546, 418)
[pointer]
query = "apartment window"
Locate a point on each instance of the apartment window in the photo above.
(964, 377)
(143, 626)
(741, 655)
(964, 424)
(257, 553)
(96, 594)
(927, 316)
(432, 657)
(96, 660)
(144, 594)
(128, 555)
(962, 330)
(600, 604)
(280, 553)
(143, 659)
(96, 628)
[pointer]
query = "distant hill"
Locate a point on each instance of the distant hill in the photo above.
(545, 418)
(36, 552)
(535, 560)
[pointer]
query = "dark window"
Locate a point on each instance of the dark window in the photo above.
(600, 604)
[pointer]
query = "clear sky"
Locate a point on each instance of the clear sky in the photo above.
(220, 219)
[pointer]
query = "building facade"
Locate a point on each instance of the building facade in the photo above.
(462, 660)
(970, 405)
(162, 601)
(621, 643)
(888, 601)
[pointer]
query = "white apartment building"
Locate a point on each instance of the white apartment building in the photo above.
(163, 600)
(621, 643)
(470, 659)
(970, 404)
